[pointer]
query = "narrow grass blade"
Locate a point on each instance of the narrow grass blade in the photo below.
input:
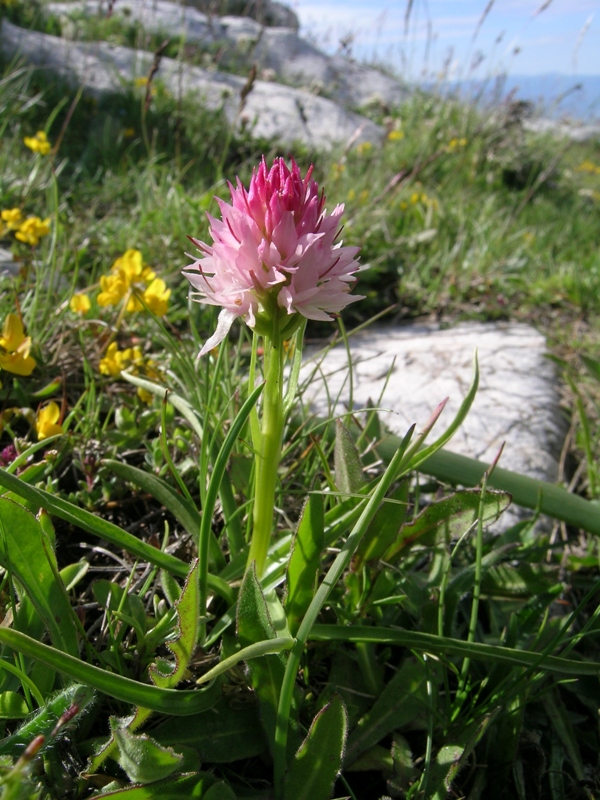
(441, 645)
(165, 701)
(106, 530)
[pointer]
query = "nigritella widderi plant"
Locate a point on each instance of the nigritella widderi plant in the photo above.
(275, 262)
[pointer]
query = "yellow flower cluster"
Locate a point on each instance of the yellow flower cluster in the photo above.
(456, 144)
(135, 283)
(15, 347)
(419, 198)
(588, 166)
(363, 148)
(395, 136)
(363, 196)
(29, 230)
(131, 359)
(38, 143)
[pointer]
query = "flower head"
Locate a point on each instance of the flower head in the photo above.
(15, 347)
(274, 255)
(38, 143)
(80, 303)
(13, 218)
(46, 421)
(32, 230)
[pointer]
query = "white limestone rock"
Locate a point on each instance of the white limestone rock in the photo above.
(271, 111)
(281, 49)
(408, 371)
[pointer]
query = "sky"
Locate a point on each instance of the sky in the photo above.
(461, 38)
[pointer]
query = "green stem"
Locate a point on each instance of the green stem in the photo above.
(268, 451)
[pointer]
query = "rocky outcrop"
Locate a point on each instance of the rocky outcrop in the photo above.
(266, 12)
(276, 51)
(270, 110)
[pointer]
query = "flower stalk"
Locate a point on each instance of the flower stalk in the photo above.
(268, 449)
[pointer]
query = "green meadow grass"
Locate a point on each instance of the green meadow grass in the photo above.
(452, 678)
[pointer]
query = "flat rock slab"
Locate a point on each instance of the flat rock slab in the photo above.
(408, 371)
(271, 110)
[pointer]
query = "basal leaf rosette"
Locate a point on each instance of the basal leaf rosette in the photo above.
(274, 257)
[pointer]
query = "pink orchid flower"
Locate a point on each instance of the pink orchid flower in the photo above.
(274, 252)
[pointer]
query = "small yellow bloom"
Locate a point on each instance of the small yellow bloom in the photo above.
(19, 362)
(144, 395)
(38, 143)
(403, 205)
(15, 347)
(351, 195)
(13, 218)
(395, 136)
(130, 264)
(414, 198)
(112, 361)
(46, 421)
(117, 360)
(140, 82)
(80, 304)
(32, 230)
(588, 166)
(129, 133)
(114, 288)
(364, 196)
(363, 148)
(156, 297)
(456, 144)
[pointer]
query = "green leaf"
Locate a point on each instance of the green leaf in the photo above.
(452, 756)
(220, 791)
(165, 701)
(383, 530)
(440, 645)
(317, 763)
(455, 513)
(26, 551)
(184, 645)
(44, 720)
(229, 734)
(305, 559)
(347, 464)
(254, 624)
(143, 759)
(13, 706)
(402, 700)
(182, 788)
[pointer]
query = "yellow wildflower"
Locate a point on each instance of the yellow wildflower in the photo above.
(156, 297)
(15, 347)
(46, 421)
(130, 265)
(13, 218)
(115, 360)
(38, 143)
(456, 144)
(111, 363)
(588, 166)
(414, 198)
(363, 148)
(144, 395)
(395, 136)
(80, 303)
(129, 133)
(140, 82)
(364, 196)
(32, 230)
(114, 288)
